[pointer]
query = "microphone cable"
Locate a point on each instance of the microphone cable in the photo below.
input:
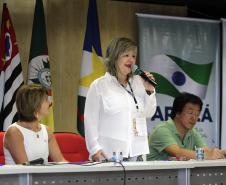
(124, 172)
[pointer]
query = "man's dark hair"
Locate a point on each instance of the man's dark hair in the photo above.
(181, 100)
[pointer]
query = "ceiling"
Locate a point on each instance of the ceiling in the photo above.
(210, 9)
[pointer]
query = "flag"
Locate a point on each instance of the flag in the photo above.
(11, 71)
(39, 68)
(1, 86)
(92, 66)
(177, 75)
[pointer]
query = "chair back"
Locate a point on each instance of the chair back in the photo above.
(2, 158)
(72, 146)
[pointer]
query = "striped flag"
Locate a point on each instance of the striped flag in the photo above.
(39, 68)
(92, 66)
(1, 84)
(11, 71)
(177, 75)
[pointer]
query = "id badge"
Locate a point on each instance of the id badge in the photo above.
(139, 125)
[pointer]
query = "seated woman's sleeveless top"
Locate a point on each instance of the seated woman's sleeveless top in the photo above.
(35, 144)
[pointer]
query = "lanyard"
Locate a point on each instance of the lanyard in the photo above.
(132, 94)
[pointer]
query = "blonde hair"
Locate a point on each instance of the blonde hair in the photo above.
(116, 47)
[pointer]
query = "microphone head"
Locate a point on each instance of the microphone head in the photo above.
(134, 68)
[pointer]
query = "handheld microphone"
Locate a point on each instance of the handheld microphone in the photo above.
(138, 71)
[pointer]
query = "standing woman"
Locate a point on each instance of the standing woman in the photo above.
(117, 105)
(27, 139)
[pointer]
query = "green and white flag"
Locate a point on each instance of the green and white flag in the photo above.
(39, 67)
(183, 54)
(179, 75)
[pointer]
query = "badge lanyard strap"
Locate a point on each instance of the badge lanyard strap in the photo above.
(132, 94)
(135, 131)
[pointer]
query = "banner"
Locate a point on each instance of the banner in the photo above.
(11, 71)
(39, 68)
(183, 55)
(223, 120)
(92, 66)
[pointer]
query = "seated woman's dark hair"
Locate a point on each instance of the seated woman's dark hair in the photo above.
(28, 101)
(181, 100)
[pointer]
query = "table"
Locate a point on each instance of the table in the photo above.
(209, 172)
(145, 173)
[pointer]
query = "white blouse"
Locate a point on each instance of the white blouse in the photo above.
(109, 111)
(35, 143)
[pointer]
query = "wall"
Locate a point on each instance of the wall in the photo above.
(66, 22)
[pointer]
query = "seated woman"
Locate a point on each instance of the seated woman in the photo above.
(27, 139)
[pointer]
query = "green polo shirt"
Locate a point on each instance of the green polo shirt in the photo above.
(165, 134)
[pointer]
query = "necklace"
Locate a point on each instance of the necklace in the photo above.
(37, 134)
(35, 128)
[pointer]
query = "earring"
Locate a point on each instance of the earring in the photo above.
(37, 116)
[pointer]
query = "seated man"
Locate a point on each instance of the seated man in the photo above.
(176, 137)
